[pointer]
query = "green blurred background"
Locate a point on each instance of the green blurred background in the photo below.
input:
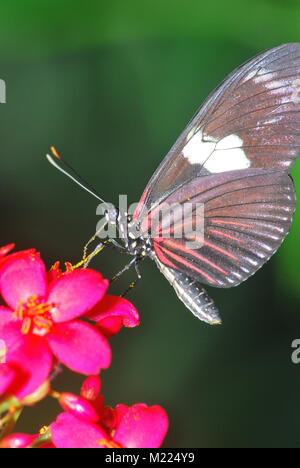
(112, 84)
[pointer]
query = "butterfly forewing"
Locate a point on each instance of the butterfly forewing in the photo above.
(252, 120)
(247, 214)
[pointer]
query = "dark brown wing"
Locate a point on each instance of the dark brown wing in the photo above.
(251, 120)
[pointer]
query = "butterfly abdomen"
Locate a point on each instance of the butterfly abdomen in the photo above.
(192, 294)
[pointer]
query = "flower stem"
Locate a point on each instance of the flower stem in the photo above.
(42, 439)
(10, 402)
(8, 422)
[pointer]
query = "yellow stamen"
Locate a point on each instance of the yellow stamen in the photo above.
(34, 311)
(31, 301)
(26, 325)
(108, 443)
(42, 322)
(69, 267)
(18, 313)
(39, 309)
(43, 430)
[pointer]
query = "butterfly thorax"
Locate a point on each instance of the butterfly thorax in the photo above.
(133, 237)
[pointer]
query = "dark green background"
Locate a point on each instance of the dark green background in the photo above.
(112, 84)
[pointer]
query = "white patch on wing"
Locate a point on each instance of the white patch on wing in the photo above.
(224, 155)
(272, 85)
(264, 76)
(196, 150)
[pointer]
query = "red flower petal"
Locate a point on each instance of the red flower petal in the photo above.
(71, 432)
(32, 359)
(80, 347)
(22, 276)
(16, 255)
(112, 313)
(109, 419)
(54, 272)
(76, 293)
(141, 426)
(5, 314)
(10, 329)
(48, 445)
(98, 404)
(7, 377)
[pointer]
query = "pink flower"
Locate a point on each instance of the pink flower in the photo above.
(17, 441)
(87, 423)
(40, 319)
(40, 323)
(138, 426)
(113, 313)
(8, 376)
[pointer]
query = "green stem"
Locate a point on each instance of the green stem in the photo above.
(8, 422)
(8, 403)
(42, 439)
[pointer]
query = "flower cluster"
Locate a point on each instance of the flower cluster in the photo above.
(64, 317)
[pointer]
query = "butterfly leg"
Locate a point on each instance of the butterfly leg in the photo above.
(115, 245)
(108, 243)
(135, 261)
(126, 268)
(134, 283)
(137, 269)
(130, 287)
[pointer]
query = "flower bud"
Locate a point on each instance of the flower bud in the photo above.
(91, 387)
(17, 441)
(78, 406)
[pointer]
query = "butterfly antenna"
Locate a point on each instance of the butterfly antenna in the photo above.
(57, 161)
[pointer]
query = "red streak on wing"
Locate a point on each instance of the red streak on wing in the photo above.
(173, 229)
(225, 235)
(148, 220)
(164, 231)
(181, 227)
(140, 205)
(188, 264)
(163, 258)
(218, 221)
(194, 254)
(170, 230)
(212, 246)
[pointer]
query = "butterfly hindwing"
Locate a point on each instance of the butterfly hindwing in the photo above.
(247, 214)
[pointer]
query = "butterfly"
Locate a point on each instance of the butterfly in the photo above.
(233, 160)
